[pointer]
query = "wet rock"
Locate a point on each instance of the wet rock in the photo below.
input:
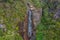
(37, 13)
(23, 26)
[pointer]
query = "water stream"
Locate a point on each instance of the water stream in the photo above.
(30, 23)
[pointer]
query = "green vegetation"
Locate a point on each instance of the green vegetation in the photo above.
(49, 27)
(10, 15)
(11, 12)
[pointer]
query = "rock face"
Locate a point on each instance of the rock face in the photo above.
(37, 13)
(37, 16)
(57, 14)
(23, 26)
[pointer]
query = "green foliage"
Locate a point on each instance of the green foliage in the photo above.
(52, 26)
(49, 28)
(36, 3)
(11, 12)
(39, 31)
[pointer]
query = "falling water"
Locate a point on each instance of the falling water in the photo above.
(30, 23)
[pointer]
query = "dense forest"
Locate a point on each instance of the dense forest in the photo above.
(13, 11)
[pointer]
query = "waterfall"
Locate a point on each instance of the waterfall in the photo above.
(30, 23)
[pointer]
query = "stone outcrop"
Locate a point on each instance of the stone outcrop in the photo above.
(23, 26)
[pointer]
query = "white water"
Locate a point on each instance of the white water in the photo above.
(29, 23)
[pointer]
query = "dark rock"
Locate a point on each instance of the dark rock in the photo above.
(57, 15)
